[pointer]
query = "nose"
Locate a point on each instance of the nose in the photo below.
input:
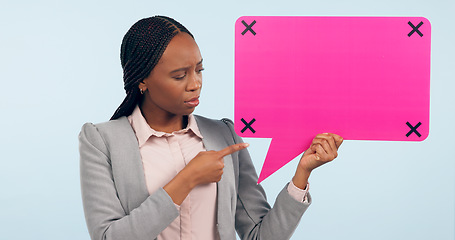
(194, 83)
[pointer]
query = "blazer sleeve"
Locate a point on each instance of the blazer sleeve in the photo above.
(105, 216)
(254, 219)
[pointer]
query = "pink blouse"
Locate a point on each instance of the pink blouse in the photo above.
(163, 156)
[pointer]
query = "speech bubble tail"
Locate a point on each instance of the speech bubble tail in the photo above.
(281, 151)
(265, 172)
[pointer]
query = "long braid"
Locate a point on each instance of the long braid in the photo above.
(141, 49)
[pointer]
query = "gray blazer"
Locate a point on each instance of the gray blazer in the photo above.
(117, 204)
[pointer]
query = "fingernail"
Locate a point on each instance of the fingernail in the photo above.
(246, 144)
(317, 157)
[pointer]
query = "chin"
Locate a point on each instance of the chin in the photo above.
(187, 111)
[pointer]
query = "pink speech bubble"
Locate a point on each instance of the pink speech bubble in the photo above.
(364, 78)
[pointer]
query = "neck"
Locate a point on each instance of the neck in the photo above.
(162, 121)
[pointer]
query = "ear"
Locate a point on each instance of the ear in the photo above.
(142, 86)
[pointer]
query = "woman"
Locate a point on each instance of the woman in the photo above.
(156, 171)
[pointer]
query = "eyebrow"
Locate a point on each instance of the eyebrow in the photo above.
(184, 68)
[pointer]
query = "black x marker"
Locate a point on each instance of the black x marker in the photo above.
(249, 27)
(413, 129)
(415, 29)
(248, 125)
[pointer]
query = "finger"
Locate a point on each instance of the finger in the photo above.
(330, 140)
(317, 160)
(324, 144)
(320, 151)
(232, 149)
(310, 150)
(338, 139)
(312, 157)
(315, 156)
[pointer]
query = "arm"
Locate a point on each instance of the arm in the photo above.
(105, 216)
(205, 168)
(254, 217)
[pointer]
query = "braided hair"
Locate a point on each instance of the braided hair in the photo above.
(142, 47)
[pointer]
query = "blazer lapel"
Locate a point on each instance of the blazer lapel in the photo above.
(216, 137)
(128, 168)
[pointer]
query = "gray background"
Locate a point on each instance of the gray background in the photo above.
(60, 68)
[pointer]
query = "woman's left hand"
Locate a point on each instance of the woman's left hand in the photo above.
(323, 149)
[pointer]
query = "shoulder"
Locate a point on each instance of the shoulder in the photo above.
(220, 129)
(108, 132)
(212, 123)
(115, 127)
(224, 126)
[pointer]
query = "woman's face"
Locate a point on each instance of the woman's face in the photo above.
(174, 85)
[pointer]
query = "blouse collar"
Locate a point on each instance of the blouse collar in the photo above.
(144, 131)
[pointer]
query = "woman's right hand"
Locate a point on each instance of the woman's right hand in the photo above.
(206, 167)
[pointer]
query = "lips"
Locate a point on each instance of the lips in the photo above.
(193, 102)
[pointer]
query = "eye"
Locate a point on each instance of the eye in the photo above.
(180, 77)
(200, 70)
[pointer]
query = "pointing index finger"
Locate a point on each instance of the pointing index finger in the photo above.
(232, 149)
